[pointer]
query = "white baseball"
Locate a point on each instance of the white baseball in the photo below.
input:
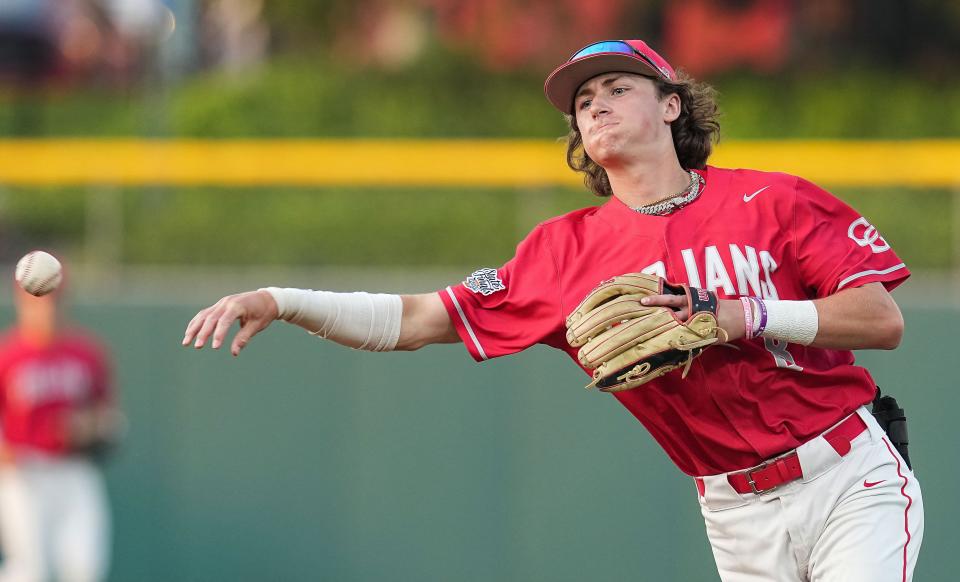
(38, 272)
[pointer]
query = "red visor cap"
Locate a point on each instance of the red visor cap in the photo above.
(563, 83)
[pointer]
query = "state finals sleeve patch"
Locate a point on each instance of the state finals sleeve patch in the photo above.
(484, 281)
(498, 312)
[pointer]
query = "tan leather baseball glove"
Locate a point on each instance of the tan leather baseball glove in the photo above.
(628, 344)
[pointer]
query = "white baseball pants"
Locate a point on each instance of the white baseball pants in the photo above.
(54, 521)
(851, 518)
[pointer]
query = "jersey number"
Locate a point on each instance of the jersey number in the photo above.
(780, 354)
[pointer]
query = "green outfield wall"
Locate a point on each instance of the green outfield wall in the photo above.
(302, 460)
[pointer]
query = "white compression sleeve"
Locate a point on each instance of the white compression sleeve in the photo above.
(364, 321)
(792, 321)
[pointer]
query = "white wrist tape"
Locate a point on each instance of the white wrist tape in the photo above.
(364, 321)
(792, 321)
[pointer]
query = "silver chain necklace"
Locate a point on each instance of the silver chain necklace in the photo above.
(675, 202)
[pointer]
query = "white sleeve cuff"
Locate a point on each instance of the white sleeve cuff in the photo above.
(365, 321)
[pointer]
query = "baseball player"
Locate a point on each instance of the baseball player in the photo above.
(57, 414)
(795, 478)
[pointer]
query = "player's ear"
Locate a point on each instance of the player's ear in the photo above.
(671, 107)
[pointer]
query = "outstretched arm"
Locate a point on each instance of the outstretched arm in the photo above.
(425, 321)
(859, 318)
(358, 320)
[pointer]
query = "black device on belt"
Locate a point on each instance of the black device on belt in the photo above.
(894, 422)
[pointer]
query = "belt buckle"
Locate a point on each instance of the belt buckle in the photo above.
(753, 484)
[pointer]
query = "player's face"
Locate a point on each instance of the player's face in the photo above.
(620, 116)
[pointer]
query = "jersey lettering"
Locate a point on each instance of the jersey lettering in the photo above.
(747, 267)
(40, 382)
(769, 266)
(657, 269)
(717, 276)
(693, 274)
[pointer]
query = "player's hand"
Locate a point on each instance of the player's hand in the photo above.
(729, 312)
(255, 310)
(676, 302)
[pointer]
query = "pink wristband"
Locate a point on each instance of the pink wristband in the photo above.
(747, 316)
(756, 316)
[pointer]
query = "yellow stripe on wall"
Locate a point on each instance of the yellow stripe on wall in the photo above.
(438, 162)
(934, 163)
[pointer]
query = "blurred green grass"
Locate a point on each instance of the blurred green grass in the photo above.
(371, 227)
(448, 95)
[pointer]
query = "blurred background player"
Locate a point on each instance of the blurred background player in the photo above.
(59, 418)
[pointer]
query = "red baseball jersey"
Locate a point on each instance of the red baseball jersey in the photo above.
(41, 385)
(749, 233)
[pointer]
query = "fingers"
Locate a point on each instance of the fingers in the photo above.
(214, 320)
(194, 326)
(253, 310)
(222, 325)
(676, 302)
(248, 329)
(207, 326)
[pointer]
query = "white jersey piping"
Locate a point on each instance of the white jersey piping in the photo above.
(466, 324)
(871, 272)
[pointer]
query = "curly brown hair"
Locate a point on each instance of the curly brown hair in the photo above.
(694, 131)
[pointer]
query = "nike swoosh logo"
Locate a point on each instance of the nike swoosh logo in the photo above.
(748, 198)
(869, 484)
